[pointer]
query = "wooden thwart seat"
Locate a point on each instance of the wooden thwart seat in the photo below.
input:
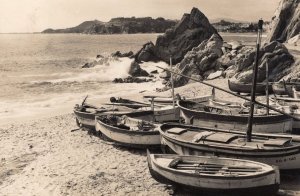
(214, 137)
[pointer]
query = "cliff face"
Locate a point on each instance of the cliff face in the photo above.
(286, 21)
(119, 25)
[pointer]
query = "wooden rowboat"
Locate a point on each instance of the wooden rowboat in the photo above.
(85, 115)
(232, 118)
(272, 149)
(239, 87)
(169, 100)
(214, 174)
(128, 131)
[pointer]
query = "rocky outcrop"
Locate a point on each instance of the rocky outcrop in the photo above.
(131, 79)
(201, 61)
(274, 54)
(286, 22)
(192, 30)
(119, 25)
(135, 70)
(146, 53)
(119, 54)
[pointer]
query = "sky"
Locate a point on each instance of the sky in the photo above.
(36, 15)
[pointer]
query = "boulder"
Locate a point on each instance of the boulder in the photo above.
(99, 56)
(119, 54)
(90, 64)
(146, 53)
(165, 75)
(131, 79)
(135, 70)
(285, 23)
(215, 75)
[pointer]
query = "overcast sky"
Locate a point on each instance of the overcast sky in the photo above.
(37, 15)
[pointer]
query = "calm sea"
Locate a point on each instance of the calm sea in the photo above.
(40, 73)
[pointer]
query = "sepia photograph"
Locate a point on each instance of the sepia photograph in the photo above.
(150, 97)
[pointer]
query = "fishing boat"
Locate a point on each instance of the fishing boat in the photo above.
(234, 118)
(169, 100)
(128, 131)
(214, 174)
(85, 115)
(240, 87)
(272, 149)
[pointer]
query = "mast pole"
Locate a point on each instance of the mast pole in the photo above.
(172, 83)
(267, 87)
(254, 79)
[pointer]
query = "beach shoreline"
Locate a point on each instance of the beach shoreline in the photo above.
(50, 156)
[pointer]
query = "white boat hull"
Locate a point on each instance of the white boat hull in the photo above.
(216, 183)
(129, 138)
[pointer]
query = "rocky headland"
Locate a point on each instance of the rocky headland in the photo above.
(119, 25)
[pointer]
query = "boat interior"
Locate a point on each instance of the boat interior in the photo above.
(212, 137)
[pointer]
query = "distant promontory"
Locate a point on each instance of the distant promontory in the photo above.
(120, 25)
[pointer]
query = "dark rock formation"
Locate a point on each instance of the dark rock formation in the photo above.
(286, 22)
(135, 70)
(90, 64)
(201, 60)
(119, 25)
(146, 53)
(193, 29)
(274, 53)
(131, 79)
(119, 54)
(99, 56)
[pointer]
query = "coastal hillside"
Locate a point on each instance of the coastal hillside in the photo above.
(119, 25)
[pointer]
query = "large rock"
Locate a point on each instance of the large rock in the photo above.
(201, 60)
(193, 29)
(274, 54)
(146, 53)
(286, 21)
(119, 54)
(135, 70)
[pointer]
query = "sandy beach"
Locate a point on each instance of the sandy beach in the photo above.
(48, 156)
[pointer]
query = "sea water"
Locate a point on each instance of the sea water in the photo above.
(41, 74)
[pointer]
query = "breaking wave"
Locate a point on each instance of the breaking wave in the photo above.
(101, 72)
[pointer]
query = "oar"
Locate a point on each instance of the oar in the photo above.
(229, 92)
